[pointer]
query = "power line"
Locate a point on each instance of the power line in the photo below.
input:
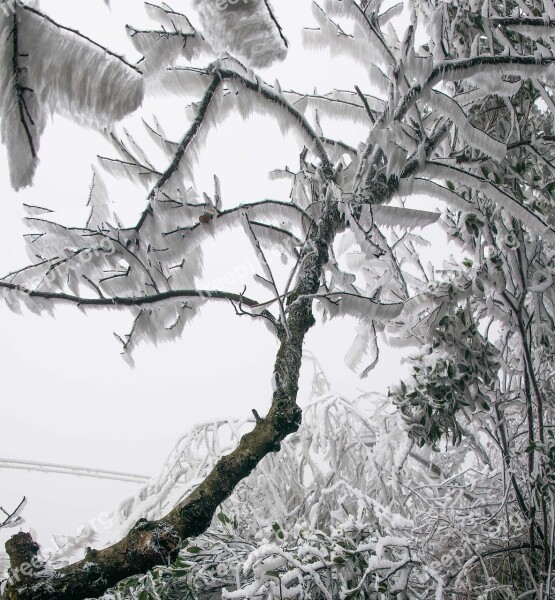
(44, 467)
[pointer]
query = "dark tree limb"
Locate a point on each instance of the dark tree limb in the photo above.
(150, 544)
(12, 517)
(522, 21)
(40, 14)
(189, 136)
(125, 301)
(462, 69)
(21, 89)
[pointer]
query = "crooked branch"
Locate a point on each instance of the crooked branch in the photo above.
(149, 544)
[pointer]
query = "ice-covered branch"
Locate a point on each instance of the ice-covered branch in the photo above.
(150, 543)
(13, 518)
(455, 70)
(313, 139)
(80, 35)
(48, 68)
(116, 301)
(182, 147)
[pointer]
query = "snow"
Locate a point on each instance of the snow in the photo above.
(245, 29)
(497, 195)
(351, 477)
(65, 72)
(476, 138)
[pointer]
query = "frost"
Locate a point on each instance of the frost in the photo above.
(56, 70)
(454, 105)
(474, 136)
(404, 218)
(246, 29)
(502, 199)
(365, 346)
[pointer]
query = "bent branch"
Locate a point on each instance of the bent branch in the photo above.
(149, 544)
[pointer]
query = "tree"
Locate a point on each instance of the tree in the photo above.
(462, 113)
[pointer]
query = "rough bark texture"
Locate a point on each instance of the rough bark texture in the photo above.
(150, 544)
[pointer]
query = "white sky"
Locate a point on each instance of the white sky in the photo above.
(68, 397)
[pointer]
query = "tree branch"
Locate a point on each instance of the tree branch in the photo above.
(149, 544)
(124, 301)
(20, 89)
(182, 147)
(464, 68)
(79, 34)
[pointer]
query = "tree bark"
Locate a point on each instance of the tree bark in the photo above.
(154, 543)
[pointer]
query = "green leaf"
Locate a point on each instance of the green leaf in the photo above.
(273, 573)
(479, 22)
(194, 549)
(179, 572)
(224, 518)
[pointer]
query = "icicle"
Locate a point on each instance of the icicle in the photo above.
(364, 345)
(23, 116)
(247, 28)
(56, 70)
(100, 204)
